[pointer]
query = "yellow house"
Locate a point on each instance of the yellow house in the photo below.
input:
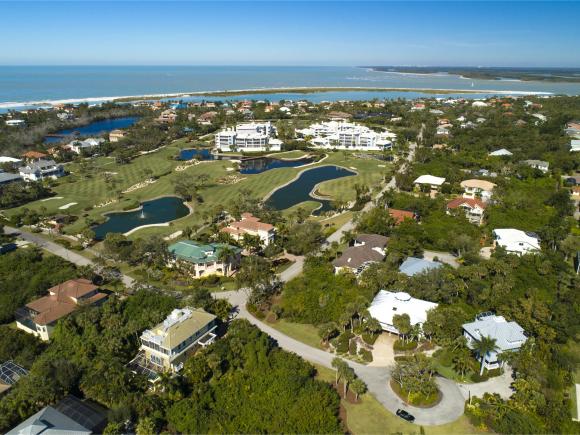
(164, 347)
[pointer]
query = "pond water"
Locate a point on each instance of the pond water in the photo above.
(157, 211)
(93, 129)
(262, 164)
(299, 190)
(197, 153)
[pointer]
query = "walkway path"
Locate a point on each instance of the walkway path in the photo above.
(376, 378)
(60, 251)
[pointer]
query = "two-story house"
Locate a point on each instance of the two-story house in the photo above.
(41, 169)
(39, 317)
(508, 336)
(251, 225)
(477, 189)
(473, 208)
(201, 259)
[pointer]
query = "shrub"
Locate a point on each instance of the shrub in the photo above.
(352, 347)
(477, 378)
(341, 343)
(401, 346)
(366, 355)
(370, 338)
(253, 309)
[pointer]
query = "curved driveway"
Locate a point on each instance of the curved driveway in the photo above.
(376, 378)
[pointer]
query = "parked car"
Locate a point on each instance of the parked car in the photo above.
(9, 247)
(405, 415)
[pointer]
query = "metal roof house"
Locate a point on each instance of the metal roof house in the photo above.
(516, 241)
(205, 259)
(69, 416)
(508, 336)
(413, 266)
(387, 304)
(501, 153)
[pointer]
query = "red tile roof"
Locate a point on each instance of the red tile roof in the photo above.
(33, 155)
(62, 300)
(400, 215)
(470, 202)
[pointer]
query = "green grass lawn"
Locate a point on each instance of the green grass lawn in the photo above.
(303, 332)
(86, 186)
(295, 154)
(370, 417)
(336, 221)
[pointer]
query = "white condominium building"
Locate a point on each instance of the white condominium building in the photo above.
(347, 136)
(249, 137)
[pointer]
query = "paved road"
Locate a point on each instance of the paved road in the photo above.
(61, 251)
(376, 378)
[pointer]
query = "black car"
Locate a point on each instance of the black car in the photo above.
(405, 415)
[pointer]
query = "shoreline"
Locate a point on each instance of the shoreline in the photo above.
(265, 91)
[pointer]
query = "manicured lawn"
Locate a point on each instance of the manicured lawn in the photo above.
(86, 186)
(303, 332)
(370, 417)
(336, 221)
(295, 154)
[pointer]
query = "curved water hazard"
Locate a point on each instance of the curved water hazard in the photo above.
(301, 188)
(155, 212)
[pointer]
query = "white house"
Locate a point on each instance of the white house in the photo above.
(386, 304)
(474, 208)
(347, 136)
(537, 164)
(516, 241)
(575, 145)
(11, 160)
(77, 146)
(15, 122)
(249, 137)
(508, 336)
(474, 188)
(41, 169)
(479, 104)
(541, 117)
(433, 182)
(501, 153)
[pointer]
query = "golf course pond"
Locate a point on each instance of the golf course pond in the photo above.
(300, 189)
(156, 211)
(248, 165)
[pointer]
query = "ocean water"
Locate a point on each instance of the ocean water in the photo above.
(22, 85)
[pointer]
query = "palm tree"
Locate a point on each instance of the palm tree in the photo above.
(348, 376)
(347, 237)
(225, 254)
(359, 387)
(327, 330)
(483, 347)
(461, 362)
(338, 365)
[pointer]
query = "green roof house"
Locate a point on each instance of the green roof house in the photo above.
(205, 259)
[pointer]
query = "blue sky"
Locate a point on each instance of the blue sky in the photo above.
(290, 33)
